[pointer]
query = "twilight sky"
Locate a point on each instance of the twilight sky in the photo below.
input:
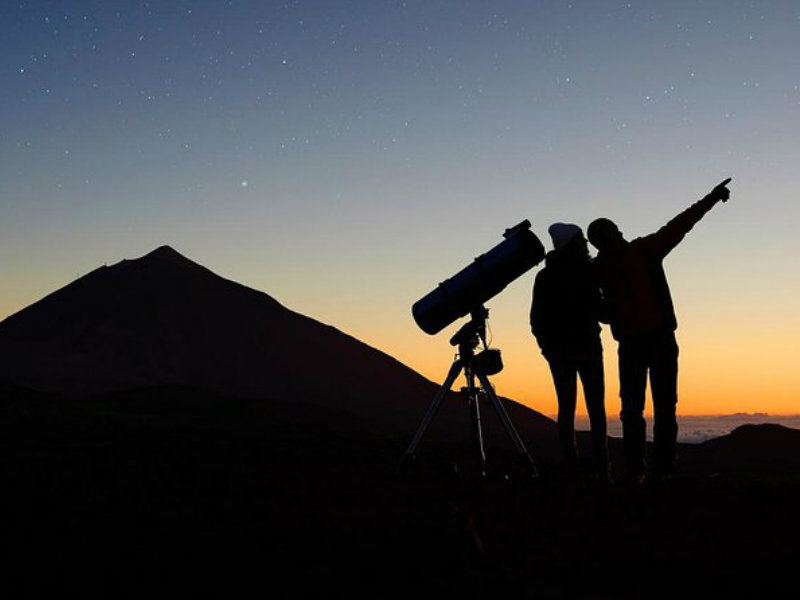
(346, 156)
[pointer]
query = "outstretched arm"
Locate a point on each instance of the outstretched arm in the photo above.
(669, 236)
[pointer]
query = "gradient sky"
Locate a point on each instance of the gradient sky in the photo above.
(346, 156)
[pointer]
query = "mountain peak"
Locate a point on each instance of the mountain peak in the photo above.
(166, 258)
(165, 253)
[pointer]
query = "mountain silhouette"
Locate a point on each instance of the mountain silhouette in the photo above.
(164, 320)
(753, 451)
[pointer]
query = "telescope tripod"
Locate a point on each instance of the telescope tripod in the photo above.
(478, 367)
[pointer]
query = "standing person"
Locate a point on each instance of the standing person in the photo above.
(642, 318)
(564, 319)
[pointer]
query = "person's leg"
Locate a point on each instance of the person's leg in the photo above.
(594, 392)
(633, 384)
(664, 385)
(565, 381)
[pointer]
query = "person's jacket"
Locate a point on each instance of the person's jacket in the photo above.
(633, 281)
(566, 307)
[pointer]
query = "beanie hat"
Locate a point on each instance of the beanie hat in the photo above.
(562, 233)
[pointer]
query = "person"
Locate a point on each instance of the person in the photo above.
(642, 319)
(564, 318)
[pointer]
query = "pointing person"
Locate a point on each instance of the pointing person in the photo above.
(642, 319)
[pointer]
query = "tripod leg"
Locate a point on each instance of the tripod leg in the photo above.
(509, 426)
(473, 401)
(433, 408)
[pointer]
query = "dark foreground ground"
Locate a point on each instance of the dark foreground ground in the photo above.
(185, 495)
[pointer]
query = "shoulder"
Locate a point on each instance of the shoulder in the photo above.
(644, 245)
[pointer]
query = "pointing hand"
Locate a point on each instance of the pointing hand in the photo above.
(721, 191)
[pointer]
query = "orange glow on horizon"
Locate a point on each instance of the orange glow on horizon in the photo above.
(719, 373)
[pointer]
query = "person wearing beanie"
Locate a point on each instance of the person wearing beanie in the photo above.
(642, 319)
(565, 314)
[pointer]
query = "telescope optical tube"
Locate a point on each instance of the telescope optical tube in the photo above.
(483, 279)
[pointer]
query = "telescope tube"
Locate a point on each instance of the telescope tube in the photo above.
(483, 279)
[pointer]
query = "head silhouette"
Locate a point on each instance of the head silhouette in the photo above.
(605, 235)
(568, 240)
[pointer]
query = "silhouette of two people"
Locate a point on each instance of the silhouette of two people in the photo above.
(635, 300)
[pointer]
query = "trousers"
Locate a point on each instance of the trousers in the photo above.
(565, 371)
(655, 355)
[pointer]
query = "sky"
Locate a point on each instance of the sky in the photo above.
(347, 156)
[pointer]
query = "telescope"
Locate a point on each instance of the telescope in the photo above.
(487, 276)
(465, 293)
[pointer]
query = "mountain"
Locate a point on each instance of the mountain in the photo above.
(163, 320)
(755, 451)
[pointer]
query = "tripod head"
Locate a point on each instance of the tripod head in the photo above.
(471, 334)
(473, 331)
